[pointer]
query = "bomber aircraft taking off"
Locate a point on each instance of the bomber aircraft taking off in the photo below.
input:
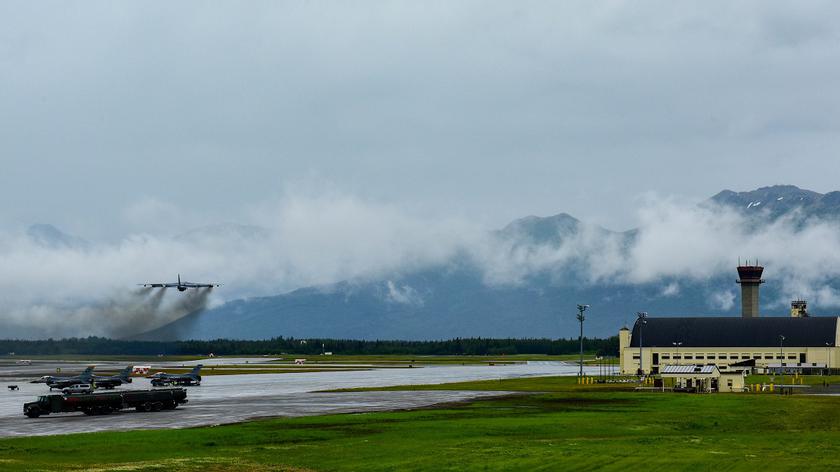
(181, 286)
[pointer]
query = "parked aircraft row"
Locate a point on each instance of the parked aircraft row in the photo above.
(87, 377)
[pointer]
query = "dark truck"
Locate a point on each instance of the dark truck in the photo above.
(104, 403)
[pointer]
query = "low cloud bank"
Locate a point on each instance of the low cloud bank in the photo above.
(687, 242)
(318, 240)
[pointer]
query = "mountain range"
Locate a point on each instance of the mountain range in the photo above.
(455, 299)
(461, 298)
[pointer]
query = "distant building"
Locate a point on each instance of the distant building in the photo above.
(703, 378)
(809, 343)
(799, 343)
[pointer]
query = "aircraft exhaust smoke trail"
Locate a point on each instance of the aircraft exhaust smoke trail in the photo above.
(154, 313)
(156, 299)
(128, 314)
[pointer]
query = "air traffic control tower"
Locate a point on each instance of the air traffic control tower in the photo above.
(749, 276)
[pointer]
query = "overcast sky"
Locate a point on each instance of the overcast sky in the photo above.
(112, 113)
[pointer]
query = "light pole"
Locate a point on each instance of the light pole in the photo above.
(677, 355)
(781, 354)
(642, 315)
(580, 317)
(828, 357)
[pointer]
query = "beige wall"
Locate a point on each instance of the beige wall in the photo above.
(737, 381)
(724, 356)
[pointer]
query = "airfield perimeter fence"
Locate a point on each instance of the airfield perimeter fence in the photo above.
(281, 345)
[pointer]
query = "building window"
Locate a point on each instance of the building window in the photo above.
(756, 356)
(688, 357)
(665, 356)
(768, 356)
(710, 356)
(677, 357)
(700, 357)
(636, 357)
(722, 356)
(792, 357)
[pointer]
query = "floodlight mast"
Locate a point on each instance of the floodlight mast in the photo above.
(581, 308)
(642, 315)
(677, 357)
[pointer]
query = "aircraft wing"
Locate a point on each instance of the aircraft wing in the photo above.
(161, 285)
(195, 285)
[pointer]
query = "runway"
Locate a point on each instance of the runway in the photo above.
(225, 399)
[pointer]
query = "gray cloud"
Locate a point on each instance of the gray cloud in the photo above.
(316, 240)
(129, 123)
(487, 109)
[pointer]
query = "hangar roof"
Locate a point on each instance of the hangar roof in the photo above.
(736, 332)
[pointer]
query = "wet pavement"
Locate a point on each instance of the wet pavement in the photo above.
(233, 398)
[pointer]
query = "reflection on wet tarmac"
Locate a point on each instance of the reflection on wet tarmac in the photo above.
(231, 398)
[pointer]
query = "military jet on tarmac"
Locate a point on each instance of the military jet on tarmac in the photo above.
(111, 381)
(162, 379)
(52, 382)
(181, 286)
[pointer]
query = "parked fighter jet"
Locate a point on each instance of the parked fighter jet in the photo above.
(181, 286)
(161, 379)
(85, 377)
(111, 381)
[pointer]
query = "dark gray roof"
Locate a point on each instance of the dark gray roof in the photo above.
(736, 332)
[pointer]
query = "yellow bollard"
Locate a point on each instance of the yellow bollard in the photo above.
(771, 388)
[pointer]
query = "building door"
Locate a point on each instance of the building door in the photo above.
(655, 358)
(802, 358)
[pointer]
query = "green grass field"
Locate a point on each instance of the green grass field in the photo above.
(568, 427)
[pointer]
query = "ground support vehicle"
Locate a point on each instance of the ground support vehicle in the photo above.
(104, 403)
(78, 388)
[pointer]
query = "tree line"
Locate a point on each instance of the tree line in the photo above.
(309, 346)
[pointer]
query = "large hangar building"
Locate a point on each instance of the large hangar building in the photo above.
(797, 343)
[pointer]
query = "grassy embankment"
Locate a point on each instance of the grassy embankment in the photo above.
(568, 427)
(793, 380)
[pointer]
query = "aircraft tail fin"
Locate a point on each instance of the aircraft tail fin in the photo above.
(126, 373)
(87, 374)
(196, 369)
